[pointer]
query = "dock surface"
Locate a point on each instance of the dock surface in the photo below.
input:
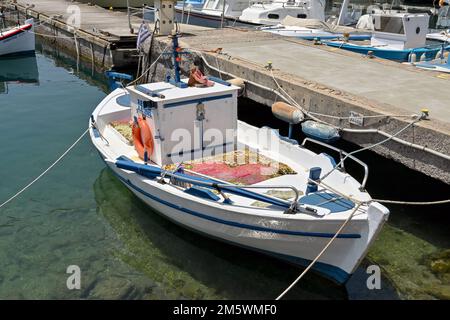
(336, 82)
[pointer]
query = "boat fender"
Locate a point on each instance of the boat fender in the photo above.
(439, 55)
(142, 138)
(320, 131)
(422, 57)
(238, 82)
(314, 174)
(412, 57)
(287, 113)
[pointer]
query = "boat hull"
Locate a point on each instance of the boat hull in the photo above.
(18, 41)
(396, 55)
(337, 264)
(197, 17)
(316, 35)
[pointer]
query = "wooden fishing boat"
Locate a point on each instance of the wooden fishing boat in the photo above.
(179, 147)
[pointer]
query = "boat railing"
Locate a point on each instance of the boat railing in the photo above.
(226, 186)
(296, 191)
(342, 155)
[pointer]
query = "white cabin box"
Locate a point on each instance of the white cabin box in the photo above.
(401, 30)
(187, 123)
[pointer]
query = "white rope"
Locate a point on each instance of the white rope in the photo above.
(45, 171)
(319, 255)
(363, 116)
(413, 203)
(371, 146)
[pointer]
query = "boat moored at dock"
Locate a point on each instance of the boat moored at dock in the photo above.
(400, 37)
(178, 146)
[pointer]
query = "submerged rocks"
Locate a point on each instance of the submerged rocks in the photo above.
(440, 262)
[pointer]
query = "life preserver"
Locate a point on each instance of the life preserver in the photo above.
(142, 138)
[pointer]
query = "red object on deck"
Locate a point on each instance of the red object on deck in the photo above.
(243, 174)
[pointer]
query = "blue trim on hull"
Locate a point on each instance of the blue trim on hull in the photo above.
(199, 100)
(397, 55)
(329, 271)
(334, 37)
(237, 224)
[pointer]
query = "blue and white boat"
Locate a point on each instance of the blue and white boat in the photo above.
(399, 36)
(192, 161)
(440, 64)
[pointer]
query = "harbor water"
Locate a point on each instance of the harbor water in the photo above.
(80, 214)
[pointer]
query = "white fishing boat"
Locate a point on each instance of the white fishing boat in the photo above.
(18, 40)
(311, 29)
(188, 157)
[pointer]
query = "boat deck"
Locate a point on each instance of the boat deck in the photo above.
(243, 167)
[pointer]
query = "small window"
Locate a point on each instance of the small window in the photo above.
(418, 30)
(301, 16)
(273, 16)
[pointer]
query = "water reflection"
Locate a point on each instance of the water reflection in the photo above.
(18, 69)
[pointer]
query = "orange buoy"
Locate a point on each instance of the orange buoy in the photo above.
(143, 138)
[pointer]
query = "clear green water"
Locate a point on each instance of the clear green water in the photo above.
(79, 214)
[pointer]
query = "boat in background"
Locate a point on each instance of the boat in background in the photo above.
(273, 12)
(442, 36)
(179, 147)
(399, 36)
(312, 29)
(18, 40)
(440, 64)
(245, 13)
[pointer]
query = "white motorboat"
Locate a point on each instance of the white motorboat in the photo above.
(18, 40)
(244, 13)
(311, 29)
(273, 12)
(179, 147)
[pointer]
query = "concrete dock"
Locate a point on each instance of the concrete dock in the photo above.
(89, 31)
(336, 82)
(322, 80)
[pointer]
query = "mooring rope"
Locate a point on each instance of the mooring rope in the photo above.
(320, 253)
(148, 69)
(46, 170)
(412, 203)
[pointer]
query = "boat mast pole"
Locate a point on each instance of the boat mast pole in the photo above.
(343, 13)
